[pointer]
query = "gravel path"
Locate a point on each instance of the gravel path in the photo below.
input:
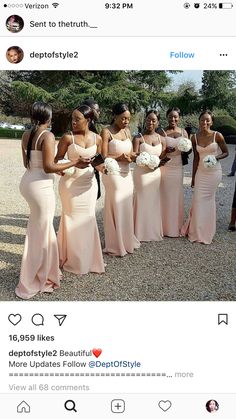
(173, 269)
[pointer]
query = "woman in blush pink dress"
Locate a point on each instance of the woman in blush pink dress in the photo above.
(118, 208)
(172, 194)
(147, 206)
(78, 237)
(201, 225)
(40, 262)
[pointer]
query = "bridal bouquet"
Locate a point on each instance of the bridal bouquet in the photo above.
(149, 160)
(143, 159)
(209, 161)
(154, 162)
(184, 144)
(111, 166)
(70, 171)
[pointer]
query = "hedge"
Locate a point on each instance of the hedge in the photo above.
(225, 124)
(10, 133)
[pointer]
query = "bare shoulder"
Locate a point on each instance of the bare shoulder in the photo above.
(105, 133)
(128, 133)
(137, 137)
(161, 132)
(66, 138)
(25, 138)
(49, 136)
(219, 137)
(162, 139)
(98, 139)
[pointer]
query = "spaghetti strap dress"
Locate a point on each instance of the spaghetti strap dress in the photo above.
(201, 224)
(147, 206)
(40, 262)
(172, 193)
(78, 237)
(118, 206)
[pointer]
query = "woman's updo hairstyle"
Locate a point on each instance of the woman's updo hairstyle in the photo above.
(173, 110)
(208, 113)
(40, 114)
(118, 109)
(86, 111)
(155, 113)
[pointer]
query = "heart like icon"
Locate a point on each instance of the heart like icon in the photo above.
(165, 405)
(96, 352)
(14, 319)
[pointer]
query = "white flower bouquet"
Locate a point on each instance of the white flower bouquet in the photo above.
(70, 171)
(209, 161)
(154, 162)
(111, 166)
(150, 160)
(184, 144)
(143, 159)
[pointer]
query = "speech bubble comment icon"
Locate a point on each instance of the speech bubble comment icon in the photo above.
(165, 405)
(37, 319)
(14, 319)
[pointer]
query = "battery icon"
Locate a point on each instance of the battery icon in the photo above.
(225, 5)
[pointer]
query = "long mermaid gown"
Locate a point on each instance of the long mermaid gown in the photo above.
(147, 207)
(40, 262)
(78, 237)
(172, 193)
(201, 224)
(118, 207)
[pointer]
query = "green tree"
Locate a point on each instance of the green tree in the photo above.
(187, 98)
(218, 90)
(65, 90)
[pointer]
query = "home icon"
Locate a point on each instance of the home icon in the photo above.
(23, 407)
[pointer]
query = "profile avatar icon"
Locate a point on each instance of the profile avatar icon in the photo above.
(212, 406)
(14, 23)
(14, 55)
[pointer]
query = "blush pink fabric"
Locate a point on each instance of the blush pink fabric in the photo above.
(78, 237)
(201, 224)
(172, 195)
(118, 207)
(147, 207)
(40, 262)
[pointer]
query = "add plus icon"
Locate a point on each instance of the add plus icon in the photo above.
(117, 406)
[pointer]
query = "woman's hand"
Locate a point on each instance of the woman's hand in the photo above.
(133, 156)
(170, 149)
(124, 158)
(101, 168)
(164, 161)
(192, 183)
(82, 163)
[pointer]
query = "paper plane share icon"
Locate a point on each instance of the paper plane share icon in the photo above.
(61, 318)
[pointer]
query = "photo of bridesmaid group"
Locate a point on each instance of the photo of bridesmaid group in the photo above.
(116, 185)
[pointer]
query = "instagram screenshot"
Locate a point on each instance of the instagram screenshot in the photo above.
(118, 209)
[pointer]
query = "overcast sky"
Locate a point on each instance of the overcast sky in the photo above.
(194, 75)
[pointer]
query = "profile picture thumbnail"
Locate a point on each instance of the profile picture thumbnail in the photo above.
(212, 406)
(14, 23)
(14, 55)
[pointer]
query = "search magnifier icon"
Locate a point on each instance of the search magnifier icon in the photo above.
(70, 405)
